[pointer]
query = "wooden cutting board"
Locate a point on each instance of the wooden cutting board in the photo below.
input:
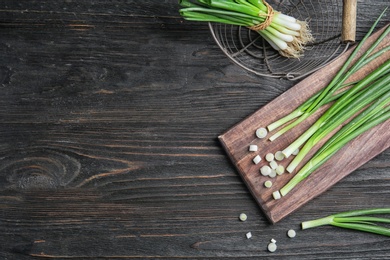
(360, 150)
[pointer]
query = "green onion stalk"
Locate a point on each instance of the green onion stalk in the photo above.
(365, 104)
(351, 102)
(375, 114)
(284, 33)
(338, 82)
(356, 220)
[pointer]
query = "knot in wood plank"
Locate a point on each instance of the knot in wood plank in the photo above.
(36, 169)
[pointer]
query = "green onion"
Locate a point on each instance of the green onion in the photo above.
(265, 170)
(243, 217)
(257, 159)
(284, 33)
(261, 132)
(327, 94)
(279, 169)
(273, 164)
(272, 247)
(279, 156)
(332, 118)
(357, 220)
(253, 148)
(374, 111)
(291, 233)
(359, 106)
(268, 184)
(374, 115)
(269, 157)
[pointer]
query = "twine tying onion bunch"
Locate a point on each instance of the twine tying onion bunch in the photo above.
(284, 33)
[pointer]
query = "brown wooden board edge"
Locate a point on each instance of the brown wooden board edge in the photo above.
(226, 144)
(245, 180)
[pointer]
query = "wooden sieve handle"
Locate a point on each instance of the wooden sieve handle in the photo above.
(349, 21)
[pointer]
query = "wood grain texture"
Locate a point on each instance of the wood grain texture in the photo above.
(357, 152)
(109, 117)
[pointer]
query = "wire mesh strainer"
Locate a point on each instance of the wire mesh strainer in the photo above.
(249, 50)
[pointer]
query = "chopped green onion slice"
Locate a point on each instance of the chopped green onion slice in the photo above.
(279, 156)
(279, 170)
(265, 170)
(269, 157)
(272, 247)
(268, 184)
(291, 233)
(243, 217)
(272, 174)
(276, 195)
(261, 132)
(253, 148)
(273, 165)
(257, 159)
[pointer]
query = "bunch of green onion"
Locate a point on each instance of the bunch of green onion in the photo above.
(356, 220)
(284, 33)
(366, 101)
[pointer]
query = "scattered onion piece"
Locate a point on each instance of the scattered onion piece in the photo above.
(279, 170)
(265, 170)
(269, 157)
(268, 184)
(276, 195)
(253, 148)
(243, 217)
(273, 164)
(291, 233)
(272, 247)
(261, 132)
(279, 156)
(257, 159)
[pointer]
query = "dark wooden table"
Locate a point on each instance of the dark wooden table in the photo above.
(110, 112)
